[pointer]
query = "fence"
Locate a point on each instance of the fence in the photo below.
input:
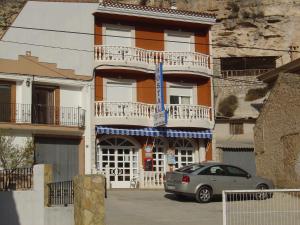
(61, 193)
(42, 114)
(16, 179)
(261, 207)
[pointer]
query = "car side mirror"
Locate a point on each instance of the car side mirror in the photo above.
(248, 176)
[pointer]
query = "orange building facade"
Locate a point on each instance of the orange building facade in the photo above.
(130, 41)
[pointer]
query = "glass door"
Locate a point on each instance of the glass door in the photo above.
(43, 109)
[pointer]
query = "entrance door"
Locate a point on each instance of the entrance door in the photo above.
(184, 153)
(121, 157)
(43, 105)
(5, 103)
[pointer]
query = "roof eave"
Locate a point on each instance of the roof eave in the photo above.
(156, 15)
(272, 75)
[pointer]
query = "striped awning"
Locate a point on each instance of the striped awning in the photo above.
(155, 132)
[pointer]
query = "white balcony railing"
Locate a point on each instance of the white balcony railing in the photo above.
(144, 58)
(136, 111)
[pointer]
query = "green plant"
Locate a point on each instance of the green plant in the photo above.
(256, 93)
(13, 155)
(228, 106)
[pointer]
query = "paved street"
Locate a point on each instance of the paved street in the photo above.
(150, 207)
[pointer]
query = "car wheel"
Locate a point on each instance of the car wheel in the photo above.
(204, 194)
(261, 195)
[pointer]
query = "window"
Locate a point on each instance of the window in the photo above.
(234, 171)
(214, 170)
(191, 168)
(182, 100)
(236, 128)
(5, 103)
(182, 95)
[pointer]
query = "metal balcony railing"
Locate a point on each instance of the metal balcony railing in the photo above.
(42, 114)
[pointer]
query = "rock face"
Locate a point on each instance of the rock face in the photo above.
(266, 24)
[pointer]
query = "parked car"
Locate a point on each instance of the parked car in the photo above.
(204, 180)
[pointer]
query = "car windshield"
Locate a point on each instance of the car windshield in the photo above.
(190, 168)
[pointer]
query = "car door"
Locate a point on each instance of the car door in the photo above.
(216, 177)
(240, 178)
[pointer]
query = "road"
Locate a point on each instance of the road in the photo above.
(155, 207)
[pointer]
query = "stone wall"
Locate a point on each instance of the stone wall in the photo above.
(277, 134)
(89, 200)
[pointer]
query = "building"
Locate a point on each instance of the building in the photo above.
(45, 104)
(55, 53)
(277, 129)
(238, 99)
(128, 46)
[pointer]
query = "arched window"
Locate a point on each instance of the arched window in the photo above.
(184, 152)
(159, 156)
(120, 155)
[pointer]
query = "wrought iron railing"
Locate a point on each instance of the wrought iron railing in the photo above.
(61, 193)
(16, 179)
(42, 114)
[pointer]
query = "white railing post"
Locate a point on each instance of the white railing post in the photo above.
(224, 208)
(141, 178)
(152, 57)
(107, 177)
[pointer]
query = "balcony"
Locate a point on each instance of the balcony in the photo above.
(141, 59)
(42, 114)
(141, 114)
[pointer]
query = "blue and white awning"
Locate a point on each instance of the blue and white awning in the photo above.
(155, 132)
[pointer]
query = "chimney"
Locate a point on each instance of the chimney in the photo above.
(173, 4)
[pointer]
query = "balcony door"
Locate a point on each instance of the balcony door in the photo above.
(5, 103)
(43, 109)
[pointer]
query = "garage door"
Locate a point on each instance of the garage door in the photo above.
(62, 154)
(243, 158)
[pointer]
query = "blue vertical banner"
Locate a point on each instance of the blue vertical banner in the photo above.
(160, 116)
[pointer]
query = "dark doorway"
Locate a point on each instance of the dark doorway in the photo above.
(43, 109)
(5, 103)
(61, 153)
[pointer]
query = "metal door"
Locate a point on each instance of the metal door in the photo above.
(62, 154)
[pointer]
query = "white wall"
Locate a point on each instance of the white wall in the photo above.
(59, 215)
(27, 207)
(70, 97)
(76, 17)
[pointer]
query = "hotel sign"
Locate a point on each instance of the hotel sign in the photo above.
(160, 116)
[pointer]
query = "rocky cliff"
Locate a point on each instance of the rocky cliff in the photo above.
(267, 24)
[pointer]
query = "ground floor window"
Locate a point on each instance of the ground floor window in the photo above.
(159, 156)
(184, 152)
(121, 157)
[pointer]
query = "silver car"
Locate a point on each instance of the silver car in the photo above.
(204, 180)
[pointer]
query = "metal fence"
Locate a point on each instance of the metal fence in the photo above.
(16, 179)
(61, 193)
(261, 207)
(42, 114)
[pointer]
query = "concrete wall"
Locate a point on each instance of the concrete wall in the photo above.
(24, 207)
(277, 134)
(28, 207)
(59, 215)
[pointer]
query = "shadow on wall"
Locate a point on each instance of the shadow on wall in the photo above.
(8, 210)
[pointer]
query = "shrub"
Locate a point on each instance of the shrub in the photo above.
(228, 106)
(256, 93)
